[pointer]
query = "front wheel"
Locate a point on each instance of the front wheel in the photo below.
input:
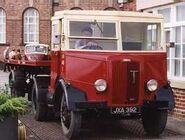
(70, 120)
(154, 120)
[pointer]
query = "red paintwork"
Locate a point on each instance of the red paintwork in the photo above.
(55, 70)
(28, 62)
(36, 57)
(82, 69)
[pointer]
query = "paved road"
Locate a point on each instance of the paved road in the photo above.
(97, 129)
(3, 78)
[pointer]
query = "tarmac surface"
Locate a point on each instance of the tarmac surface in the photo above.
(101, 130)
(97, 129)
(3, 78)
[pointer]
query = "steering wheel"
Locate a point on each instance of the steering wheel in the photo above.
(92, 47)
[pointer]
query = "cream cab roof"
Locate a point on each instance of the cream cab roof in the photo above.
(98, 13)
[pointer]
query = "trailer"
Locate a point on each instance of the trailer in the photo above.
(23, 71)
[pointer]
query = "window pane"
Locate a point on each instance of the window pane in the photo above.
(178, 35)
(183, 72)
(1, 37)
(36, 38)
(25, 38)
(2, 26)
(168, 52)
(32, 12)
(26, 20)
(168, 63)
(166, 14)
(93, 44)
(167, 36)
(167, 40)
(25, 29)
(149, 38)
(180, 13)
(184, 51)
(96, 29)
(31, 38)
(31, 20)
(32, 28)
(177, 50)
(140, 36)
(4, 19)
(177, 68)
(183, 34)
(172, 50)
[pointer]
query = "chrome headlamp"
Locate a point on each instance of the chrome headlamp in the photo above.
(152, 85)
(100, 85)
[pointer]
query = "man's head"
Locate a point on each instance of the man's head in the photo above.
(18, 50)
(87, 31)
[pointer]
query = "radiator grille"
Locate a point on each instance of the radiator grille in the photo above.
(125, 83)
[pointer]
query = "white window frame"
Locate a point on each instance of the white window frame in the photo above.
(3, 24)
(177, 81)
(27, 24)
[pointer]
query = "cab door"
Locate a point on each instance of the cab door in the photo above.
(55, 53)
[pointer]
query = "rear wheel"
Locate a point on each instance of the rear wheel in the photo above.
(154, 120)
(39, 101)
(70, 120)
(17, 83)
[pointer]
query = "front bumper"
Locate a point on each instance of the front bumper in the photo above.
(156, 105)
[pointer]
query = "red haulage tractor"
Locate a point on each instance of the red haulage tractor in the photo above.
(109, 63)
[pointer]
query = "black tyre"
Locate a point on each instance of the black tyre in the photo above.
(39, 103)
(70, 120)
(17, 83)
(154, 121)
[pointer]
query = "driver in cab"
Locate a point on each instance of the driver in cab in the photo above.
(87, 43)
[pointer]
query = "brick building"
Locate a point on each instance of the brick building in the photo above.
(28, 21)
(24, 21)
(173, 12)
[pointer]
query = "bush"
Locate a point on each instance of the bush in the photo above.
(11, 106)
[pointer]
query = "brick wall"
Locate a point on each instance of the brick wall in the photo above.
(179, 110)
(14, 21)
(131, 6)
(87, 4)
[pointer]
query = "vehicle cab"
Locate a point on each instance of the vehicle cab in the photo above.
(112, 63)
(36, 52)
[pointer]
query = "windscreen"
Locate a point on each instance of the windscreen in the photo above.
(92, 35)
(37, 48)
(140, 36)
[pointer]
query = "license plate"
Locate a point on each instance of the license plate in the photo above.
(124, 110)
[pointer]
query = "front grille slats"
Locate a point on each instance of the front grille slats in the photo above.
(133, 82)
(125, 77)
